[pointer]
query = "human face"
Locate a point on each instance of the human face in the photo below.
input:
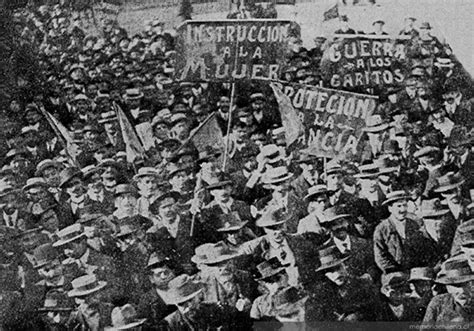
(75, 187)
(160, 277)
(462, 293)
(9, 203)
(334, 181)
(18, 164)
(234, 237)
(421, 287)
(318, 204)
(223, 270)
(340, 229)
(275, 232)
(147, 186)
(180, 130)
(51, 176)
(337, 275)
(49, 221)
(398, 210)
(36, 194)
(161, 131)
(167, 210)
(76, 248)
(222, 195)
(178, 180)
(126, 202)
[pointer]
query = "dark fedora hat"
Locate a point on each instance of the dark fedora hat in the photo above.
(330, 257)
(157, 203)
(269, 268)
(68, 174)
(231, 222)
(288, 300)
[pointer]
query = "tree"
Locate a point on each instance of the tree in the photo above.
(185, 10)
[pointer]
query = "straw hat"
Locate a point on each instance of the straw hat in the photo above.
(68, 174)
(272, 217)
(183, 288)
(124, 318)
(332, 214)
(35, 182)
(57, 301)
(316, 190)
(375, 124)
(43, 255)
(85, 285)
(448, 182)
(146, 171)
(69, 234)
(269, 268)
(421, 273)
(395, 196)
(213, 253)
(231, 222)
(276, 175)
(45, 164)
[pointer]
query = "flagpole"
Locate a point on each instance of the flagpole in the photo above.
(229, 123)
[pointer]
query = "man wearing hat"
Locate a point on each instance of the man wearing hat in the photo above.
(449, 186)
(264, 116)
(317, 200)
(49, 170)
(273, 277)
(361, 264)
(409, 29)
(457, 304)
(154, 305)
(223, 283)
(12, 215)
(310, 172)
(396, 305)
(341, 296)
(133, 102)
(98, 199)
(71, 183)
(234, 231)
(296, 251)
(398, 242)
(56, 309)
(460, 147)
(126, 212)
(147, 182)
(282, 196)
(422, 287)
(378, 28)
(171, 235)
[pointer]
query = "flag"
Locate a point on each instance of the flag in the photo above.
(133, 147)
(331, 13)
(72, 149)
(289, 117)
(208, 134)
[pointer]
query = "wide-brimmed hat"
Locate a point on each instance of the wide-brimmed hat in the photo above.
(183, 288)
(43, 255)
(455, 270)
(125, 189)
(368, 171)
(124, 318)
(375, 124)
(426, 150)
(230, 222)
(330, 257)
(288, 299)
(57, 301)
(213, 253)
(132, 94)
(257, 96)
(315, 191)
(333, 167)
(395, 196)
(126, 230)
(157, 203)
(272, 217)
(68, 174)
(86, 285)
(421, 273)
(276, 175)
(449, 182)
(6, 189)
(14, 152)
(69, 234)
(45, 164)
(109, 163)
(334, 213)
(174, 169)
(89, 171)
(158, 259)
(269, 268)
(271, 153)
(393, 280)
(146, 171)
(433, 209)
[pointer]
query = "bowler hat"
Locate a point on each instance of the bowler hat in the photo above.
(421, 273)
(213, 253)
(56, 301)
(183, 288)
(124, 318)
(230, 222)
(455, 270)
(330, 257)
(395, 196)
(69, 234)
(269, 268)
(68, 174)
(86, 285)
(449, 182)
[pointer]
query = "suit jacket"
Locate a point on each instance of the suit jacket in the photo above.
(152, 307)
(106, 207)
(443, 308)
(410, 312)
(392, 253)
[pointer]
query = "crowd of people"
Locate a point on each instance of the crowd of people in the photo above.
(92, 240)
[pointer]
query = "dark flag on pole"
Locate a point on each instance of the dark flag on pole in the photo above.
(331, 13)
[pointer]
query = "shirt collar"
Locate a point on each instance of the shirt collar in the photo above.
(11, 218)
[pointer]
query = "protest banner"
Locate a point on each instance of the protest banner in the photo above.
(332, 119)
(359, 62)
(231, 50)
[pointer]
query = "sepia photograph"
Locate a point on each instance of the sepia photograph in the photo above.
(205, 165)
